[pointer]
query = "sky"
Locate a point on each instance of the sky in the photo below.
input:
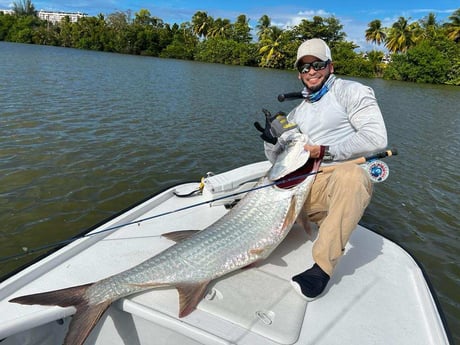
(353, 15)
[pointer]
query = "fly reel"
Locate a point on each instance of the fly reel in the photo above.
(378, 171)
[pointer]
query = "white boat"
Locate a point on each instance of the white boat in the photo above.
(377, 295)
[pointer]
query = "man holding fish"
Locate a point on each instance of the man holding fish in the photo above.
(343, 121)
(337, 121)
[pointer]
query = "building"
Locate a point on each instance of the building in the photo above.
(6, 11)
(53, 16)
(56, 16)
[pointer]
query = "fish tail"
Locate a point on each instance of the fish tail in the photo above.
(86, 317)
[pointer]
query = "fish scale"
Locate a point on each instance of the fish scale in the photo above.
(253, 223)
(246, 234)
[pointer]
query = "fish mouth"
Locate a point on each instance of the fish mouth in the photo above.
(291, 158)
(296, 177)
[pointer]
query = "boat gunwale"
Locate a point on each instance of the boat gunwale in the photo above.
(83, 233)
(426, 277)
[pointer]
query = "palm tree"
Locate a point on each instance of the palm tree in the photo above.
(201, 23)
(241, 29)
(220, 28)
(429, 21)
(402, 35)
(263, 26)
(270, 47)
(376, 60)
(24, 8)
(143, 17)
(375, 32)
(453, 27)
(429, 25)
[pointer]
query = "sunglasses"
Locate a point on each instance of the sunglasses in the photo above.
(317, 66)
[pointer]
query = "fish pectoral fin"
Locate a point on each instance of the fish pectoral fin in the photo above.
(190, 295)
(253, 265)
(257, 251)
(180, 235)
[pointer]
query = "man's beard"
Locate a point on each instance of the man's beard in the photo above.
(319, 86)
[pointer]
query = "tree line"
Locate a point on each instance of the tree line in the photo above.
(420, 51)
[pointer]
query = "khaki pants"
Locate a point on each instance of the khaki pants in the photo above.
(336, 203)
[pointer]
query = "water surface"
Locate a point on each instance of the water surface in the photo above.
(85, 134)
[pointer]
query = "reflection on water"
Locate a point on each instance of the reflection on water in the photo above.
(85, 134)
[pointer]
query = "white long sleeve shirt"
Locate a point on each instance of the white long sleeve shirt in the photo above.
(347, 119)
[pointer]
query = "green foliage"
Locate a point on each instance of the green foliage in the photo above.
(182, 44)
(24, 8)
(92, 33)
(423, 63)
(241, 31)
(454, 73)
(6, 24)
(328, 29)
(219, 50)
(375, 32)
(429, 61)
(176, 50)
(347, 62)
(401, 36)
(424, 51)
(453, 27)
(270, 48)
(118, 32)
(23, 29)
(375, 58)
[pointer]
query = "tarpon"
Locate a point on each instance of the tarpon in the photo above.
(248, 233)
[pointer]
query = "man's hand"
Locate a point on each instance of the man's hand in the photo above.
(274, 126)
(315, 150)
(318, 151)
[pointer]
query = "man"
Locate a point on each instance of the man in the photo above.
(343, 121)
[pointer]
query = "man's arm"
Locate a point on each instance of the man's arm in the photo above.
(366, 118)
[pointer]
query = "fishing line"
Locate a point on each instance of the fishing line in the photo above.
(387, 153)
(115, 227)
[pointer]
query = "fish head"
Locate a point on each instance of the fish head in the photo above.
(292, 155)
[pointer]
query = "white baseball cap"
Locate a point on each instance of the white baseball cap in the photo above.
(315, 47)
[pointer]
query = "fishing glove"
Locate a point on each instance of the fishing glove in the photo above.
(274, 126)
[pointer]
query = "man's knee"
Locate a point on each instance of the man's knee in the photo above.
(349, 170)
(351, 183)
(352, 176)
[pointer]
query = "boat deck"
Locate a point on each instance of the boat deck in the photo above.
(378, 294)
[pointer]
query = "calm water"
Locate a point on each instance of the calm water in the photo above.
(86, 134)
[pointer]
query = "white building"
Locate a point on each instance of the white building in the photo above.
(7, 11)
(56, 16)
(53, 16)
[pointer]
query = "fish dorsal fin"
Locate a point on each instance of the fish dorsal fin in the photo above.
(190, 295)
(178, 236)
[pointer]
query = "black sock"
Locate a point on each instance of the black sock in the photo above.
(313, 281)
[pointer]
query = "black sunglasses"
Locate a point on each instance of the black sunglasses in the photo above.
(317, 66)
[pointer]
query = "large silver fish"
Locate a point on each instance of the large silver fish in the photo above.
(246, 234)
